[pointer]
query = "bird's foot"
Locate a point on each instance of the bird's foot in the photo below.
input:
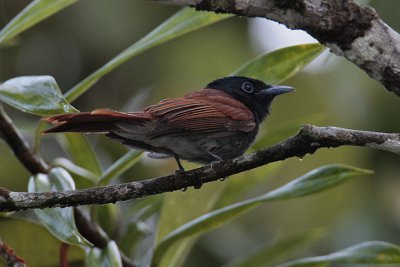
(178, 175)
(212, 165)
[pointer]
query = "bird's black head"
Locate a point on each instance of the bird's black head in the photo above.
(255, 94)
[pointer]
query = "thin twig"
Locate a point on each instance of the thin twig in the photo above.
(64, 255)
(309, 139)
(11, 259)
(34, 163)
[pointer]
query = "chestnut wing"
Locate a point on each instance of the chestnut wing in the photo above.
(196, 114)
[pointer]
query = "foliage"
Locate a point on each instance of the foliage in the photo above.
(180, 217)
(59, 221)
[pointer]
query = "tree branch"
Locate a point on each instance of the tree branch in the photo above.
(35, 164)
(307, 141)
(10, 257)
(348, 29)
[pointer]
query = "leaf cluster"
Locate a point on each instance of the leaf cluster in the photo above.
(160, 230)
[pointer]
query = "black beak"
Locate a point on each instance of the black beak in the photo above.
(277, 90)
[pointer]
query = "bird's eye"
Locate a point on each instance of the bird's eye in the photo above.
(248, 87)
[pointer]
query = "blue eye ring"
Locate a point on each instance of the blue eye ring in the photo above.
(248, 87)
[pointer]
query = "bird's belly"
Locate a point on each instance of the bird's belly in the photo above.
(201, 148)
(208, 148)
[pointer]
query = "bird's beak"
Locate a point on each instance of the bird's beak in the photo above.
(277, 90)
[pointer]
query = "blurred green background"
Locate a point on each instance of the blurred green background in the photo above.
(78, 40)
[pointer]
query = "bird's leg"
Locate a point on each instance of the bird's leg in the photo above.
(181, 170)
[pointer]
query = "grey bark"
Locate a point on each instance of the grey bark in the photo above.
(9, 256)
(347, 28)
(307, 141)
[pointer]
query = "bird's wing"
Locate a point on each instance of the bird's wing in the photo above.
(204, 111)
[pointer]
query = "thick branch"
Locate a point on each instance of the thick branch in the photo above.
(307, 141)
(348, 29)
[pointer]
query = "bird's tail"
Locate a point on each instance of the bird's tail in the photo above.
(97, 121)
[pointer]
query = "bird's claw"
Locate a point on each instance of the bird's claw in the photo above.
(212, 166)
(179, 173)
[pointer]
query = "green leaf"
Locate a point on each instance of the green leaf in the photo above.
(75, 170)
(59, 221)
(134, 233)
(34, 243)
(236, 188)
(184, 21)
(80, 150)
(37, 140)
(120, 166)
(373, 252)
(107, 216)
(35, 12)
(315, 181)
(279, 65)
(37, 95)
(107, 257)
(285, 129)
(180, 208)
(269, 255)
(143, 208)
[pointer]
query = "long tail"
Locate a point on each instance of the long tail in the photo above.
(97, 121)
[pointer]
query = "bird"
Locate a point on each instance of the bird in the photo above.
(216, 123)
